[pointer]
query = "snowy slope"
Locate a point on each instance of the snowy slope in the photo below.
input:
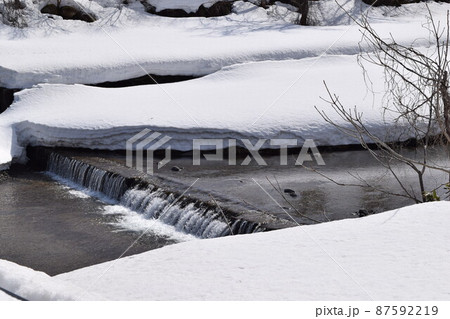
(5, 297)
(9, 147)
(128, 43)
(265, 99)
(397, 255)
(243, 101)
(35, 285)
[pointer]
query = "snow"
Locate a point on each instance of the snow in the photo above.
(9, 147)
(264, 74)
(396, 255)
(83, 116)
(34, 285)
(129, 43)
(259, 107)
(5, 297)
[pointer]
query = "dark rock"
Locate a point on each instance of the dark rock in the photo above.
(173, 13)
(68, 13)
(290, 192)
(50, 9)
(264, 4)
(218, 9)
(364, 212)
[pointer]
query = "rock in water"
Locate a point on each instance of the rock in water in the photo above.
(290, 192)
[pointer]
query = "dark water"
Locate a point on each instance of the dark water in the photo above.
(188, 216)
(315, 196)
(45, 227)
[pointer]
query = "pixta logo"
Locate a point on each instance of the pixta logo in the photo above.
(307, 152)
(144, 144)
(147, 142)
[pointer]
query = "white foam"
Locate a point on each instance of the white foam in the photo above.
(127, 219)
(130, 220)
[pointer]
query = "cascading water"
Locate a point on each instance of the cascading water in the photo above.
(184, 215)
(88, 176)
(188, 217)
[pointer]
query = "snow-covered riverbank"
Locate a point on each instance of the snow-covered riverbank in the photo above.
(130, 43)
(272, 98)
(242, 101)
(396, 255)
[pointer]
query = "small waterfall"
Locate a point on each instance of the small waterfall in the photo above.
(189, 217)
(88, 176)
(185, 215)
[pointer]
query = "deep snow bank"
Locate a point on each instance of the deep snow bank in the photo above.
(254, 100)
(396, 255)
(9, 148)
(236, 102)
(34, 285)
(127, 43)
(5, 297)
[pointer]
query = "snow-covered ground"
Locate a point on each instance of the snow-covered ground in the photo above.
(235, 102)
(396, 255)
(268, 77)
(274, 97)
(5, 297)
(9, 148)
(64, 51)
(243, 101)
(35, 285)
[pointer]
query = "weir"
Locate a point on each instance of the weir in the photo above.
(90, 177)
(185, 214)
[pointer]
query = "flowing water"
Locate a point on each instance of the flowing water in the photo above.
(77, 214)
(190, 217)
(50, 227)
